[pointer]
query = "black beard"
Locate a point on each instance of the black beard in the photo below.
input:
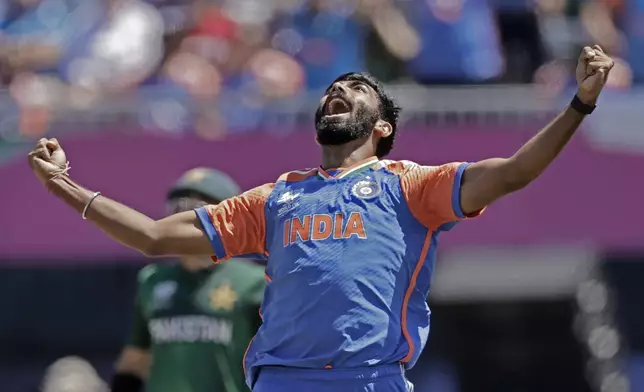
(332, 132)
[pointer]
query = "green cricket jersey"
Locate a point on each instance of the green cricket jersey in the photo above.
(197, 324)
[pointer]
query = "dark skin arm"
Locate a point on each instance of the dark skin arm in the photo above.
(178, 234)
(490, 179)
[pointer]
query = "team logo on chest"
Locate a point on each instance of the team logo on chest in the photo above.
(162, 294)
(366, 189)
(223, 297)
(288, 201)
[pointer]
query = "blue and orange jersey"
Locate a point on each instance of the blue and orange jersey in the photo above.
(349, 259)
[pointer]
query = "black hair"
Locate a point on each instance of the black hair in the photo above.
(389, 109)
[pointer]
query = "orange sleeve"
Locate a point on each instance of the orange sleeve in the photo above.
(433, 193)
(237, 226)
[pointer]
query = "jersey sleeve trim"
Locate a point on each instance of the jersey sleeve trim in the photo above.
(456, 191)
(210, 230)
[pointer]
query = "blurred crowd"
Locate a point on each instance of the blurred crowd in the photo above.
(78, 52)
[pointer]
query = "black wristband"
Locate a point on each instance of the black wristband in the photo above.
(126, 382)
(581, 107)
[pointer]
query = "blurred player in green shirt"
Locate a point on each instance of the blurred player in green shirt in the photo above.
(193, 320)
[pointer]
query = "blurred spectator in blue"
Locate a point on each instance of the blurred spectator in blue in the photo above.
(35, 34)
(63, 53)
(328, 36)
(324, 36)
(101, 46)
(459, 41)
(634, 28)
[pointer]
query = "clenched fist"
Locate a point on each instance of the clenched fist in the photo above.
(48, 160)
(592, 72)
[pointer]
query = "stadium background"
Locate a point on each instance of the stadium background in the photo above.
(544, 292)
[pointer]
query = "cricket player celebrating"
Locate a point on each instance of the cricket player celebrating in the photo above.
(350, 245)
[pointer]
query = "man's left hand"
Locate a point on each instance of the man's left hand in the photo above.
(592, 72)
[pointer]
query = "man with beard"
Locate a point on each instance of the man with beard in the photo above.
(349, 245)
(193, 319)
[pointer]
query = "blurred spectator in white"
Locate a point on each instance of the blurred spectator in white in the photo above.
(99, 46)
(122, 53)
(72, 374)
(70, 52)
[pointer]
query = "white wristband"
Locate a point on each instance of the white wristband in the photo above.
(94, 196)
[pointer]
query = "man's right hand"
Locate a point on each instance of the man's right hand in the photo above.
(48, 160)
(592, 73)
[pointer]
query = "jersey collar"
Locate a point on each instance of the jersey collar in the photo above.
(343, 172)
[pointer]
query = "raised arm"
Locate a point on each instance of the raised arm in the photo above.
(486, 181)
(177, 235)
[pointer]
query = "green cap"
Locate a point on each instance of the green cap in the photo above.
(210, 183)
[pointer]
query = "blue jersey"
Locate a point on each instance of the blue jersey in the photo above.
(350, 258)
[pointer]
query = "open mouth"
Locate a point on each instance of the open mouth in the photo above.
(336, 106)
